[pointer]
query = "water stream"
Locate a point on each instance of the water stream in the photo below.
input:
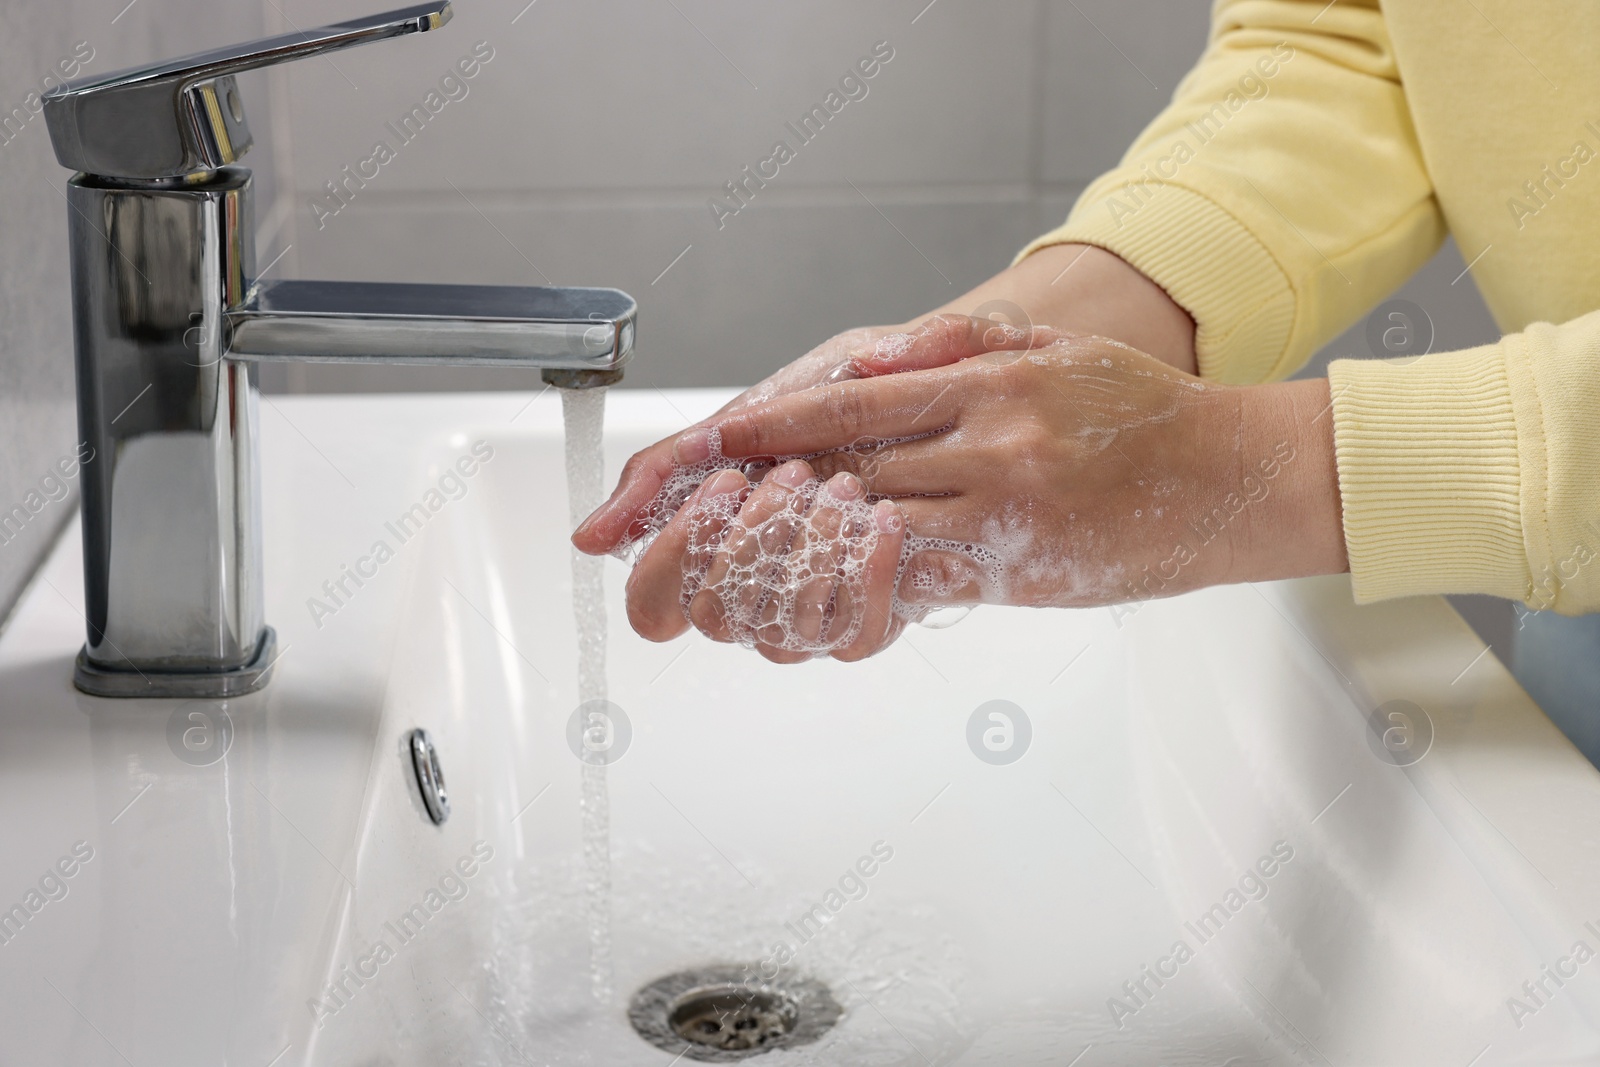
(583, 411)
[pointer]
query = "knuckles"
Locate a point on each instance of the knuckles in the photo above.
(845, 409)
(654, 460)
(831, 463)
(1032, 441)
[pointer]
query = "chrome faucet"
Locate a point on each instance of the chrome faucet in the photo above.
(169, 325)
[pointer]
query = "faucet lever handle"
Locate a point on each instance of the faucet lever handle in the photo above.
(182, 116)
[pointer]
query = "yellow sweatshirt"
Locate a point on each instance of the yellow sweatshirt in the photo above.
(1306, 167)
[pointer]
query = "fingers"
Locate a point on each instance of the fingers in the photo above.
(677, 559)
(928, 466)
(874, 611)
(937, 342)
(943, 340)
(740, 578)
(803, 570)
(943, 518)
(819, 560)
(813, 368)
(831, 418)
(632, 503)
(629, 512)
(943, 577)
(793, 569)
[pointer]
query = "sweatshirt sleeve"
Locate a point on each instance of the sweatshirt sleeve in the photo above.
(1280, 195)
(1475, 471)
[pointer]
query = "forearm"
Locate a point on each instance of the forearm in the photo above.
(1087, 290)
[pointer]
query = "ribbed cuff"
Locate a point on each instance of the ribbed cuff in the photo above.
(1214, 268)
(1430, 476)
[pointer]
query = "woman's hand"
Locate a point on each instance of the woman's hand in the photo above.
(632, 509)
(1079, 473)
(790, 566)
(625, 516)
(1076, 288)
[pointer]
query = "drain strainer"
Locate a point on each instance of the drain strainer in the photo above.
(721, 1014)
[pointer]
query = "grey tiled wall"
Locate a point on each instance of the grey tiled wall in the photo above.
(587, 149)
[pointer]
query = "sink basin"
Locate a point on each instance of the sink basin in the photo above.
(1206, 853)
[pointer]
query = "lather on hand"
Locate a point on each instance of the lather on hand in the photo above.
(1067, 474)
(1076, 288)
(793, 569)
(1051, 470)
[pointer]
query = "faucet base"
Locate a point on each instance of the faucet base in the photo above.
(202, 685)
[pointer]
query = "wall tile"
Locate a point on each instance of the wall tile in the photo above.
(784, 275)
(617, 94)
(1112, 66)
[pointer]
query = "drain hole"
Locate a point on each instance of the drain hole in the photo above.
(719, 1014)
(733, 1018)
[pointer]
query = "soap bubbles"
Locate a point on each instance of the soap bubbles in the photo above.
(788, 580)
(792, 578)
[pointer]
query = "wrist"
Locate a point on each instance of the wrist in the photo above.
(1087, 290)
(1286, 429)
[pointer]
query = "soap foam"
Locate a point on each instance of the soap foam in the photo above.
(792, 579)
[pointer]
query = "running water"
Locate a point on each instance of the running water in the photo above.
(583, 411)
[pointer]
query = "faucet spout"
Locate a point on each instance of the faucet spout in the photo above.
(554, 329)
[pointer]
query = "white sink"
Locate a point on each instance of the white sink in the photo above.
(1173, 749)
